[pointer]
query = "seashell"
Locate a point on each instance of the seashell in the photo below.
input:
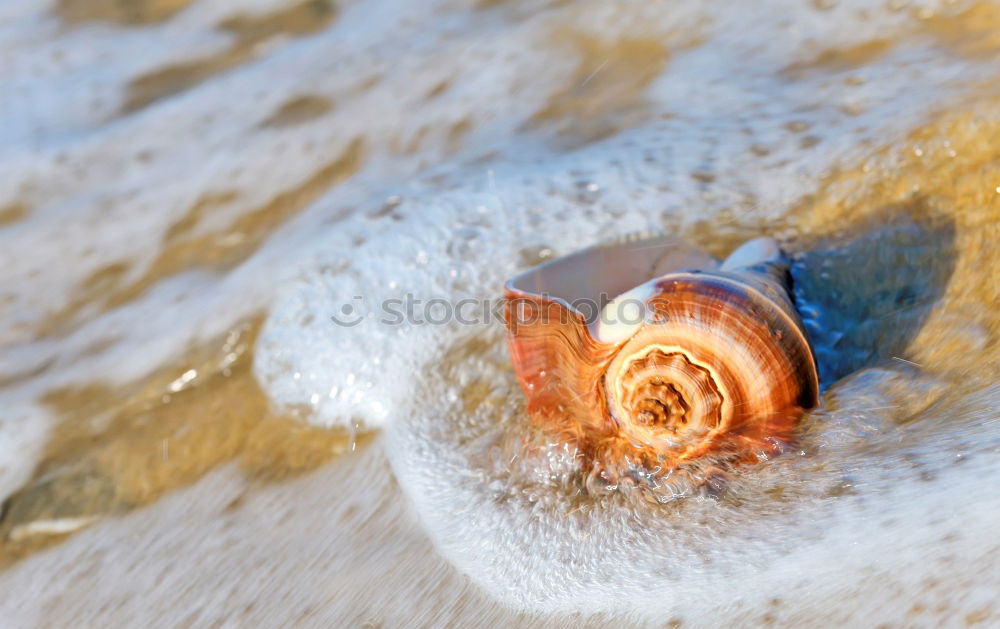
(648, 355)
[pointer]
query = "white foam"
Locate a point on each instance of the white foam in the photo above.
(861, 517)
(463, 238)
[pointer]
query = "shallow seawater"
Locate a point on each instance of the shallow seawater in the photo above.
(193, 190)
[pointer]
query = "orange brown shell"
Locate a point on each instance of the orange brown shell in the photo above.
(719, 368)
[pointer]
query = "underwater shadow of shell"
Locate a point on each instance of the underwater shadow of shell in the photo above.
(863, 297)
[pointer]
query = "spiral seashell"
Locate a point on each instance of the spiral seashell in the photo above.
(690, 361)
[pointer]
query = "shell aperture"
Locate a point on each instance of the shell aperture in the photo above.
(648, 355)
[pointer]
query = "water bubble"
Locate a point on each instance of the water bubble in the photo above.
(464, 243)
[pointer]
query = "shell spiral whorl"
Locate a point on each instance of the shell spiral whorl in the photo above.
(717, 368)
(664, 393)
